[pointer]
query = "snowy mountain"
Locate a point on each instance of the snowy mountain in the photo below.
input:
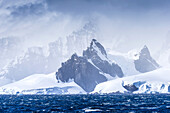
(145, 62)
(95, 71)
(134, 62)
(157, 81)
(37, 60)
(90, 69)
(79, 40)
(41, 84)
(40, 60)
(81, 72)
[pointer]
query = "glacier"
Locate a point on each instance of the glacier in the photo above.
(157, 81)
(41, 84)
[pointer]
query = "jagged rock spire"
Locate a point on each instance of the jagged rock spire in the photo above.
(95, 43)
(97, 54)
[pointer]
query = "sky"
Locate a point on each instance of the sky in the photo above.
(122, 24)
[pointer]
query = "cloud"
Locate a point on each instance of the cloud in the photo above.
(108, 7)
(140, 21)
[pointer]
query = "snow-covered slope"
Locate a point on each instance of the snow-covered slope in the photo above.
(164, 53)
(164, 57)
(125, 61)
(135, 61)
(151, 82)
(41, 84)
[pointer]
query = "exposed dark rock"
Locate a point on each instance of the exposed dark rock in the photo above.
(84, 73)
(139, 83)
(163, 86)
(145, 63)
(97, 54)
(130, 87)
(88, 71)
(133, 87)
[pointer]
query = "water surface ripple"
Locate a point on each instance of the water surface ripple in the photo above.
(86, 103)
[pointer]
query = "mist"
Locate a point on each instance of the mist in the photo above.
(121, 25)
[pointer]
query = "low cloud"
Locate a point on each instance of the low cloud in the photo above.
(123, 25)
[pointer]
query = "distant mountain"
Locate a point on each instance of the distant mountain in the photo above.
(80, 39)
(10, 48)
(145, 62)
(93, 72)
(164, 52)
(39, 60)
(90, 69)
(134, 62)
(86, 70)
(36, 60)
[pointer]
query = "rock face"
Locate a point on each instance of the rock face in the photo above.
(134, 86)
(90, 69)
(130, 88)
(84, 73)
(97, 54)
(145, 63)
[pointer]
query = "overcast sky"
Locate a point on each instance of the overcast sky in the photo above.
(123, 24)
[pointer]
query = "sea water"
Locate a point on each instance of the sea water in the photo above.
(129, 103)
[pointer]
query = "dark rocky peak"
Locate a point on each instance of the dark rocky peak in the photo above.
(145, 62)
(133, 87)
(74, 57)
(96, 46)
(98, 56)
(81, 71)
(90, 69)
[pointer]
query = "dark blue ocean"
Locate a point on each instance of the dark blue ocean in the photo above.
(86, 103)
